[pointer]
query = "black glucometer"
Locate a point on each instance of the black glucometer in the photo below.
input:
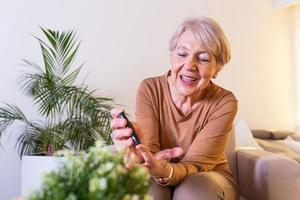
(134, 136)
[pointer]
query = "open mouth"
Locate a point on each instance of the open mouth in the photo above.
(188, 79)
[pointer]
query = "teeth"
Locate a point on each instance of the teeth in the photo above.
(186, 78)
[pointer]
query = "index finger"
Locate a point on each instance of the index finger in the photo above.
(115, 112)
(168, 154)
(144, 151)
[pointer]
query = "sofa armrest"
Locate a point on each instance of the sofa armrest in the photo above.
(267, 176)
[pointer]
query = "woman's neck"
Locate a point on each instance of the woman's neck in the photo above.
(185, 104)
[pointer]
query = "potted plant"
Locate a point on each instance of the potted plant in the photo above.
(96, 175)
(73, 116)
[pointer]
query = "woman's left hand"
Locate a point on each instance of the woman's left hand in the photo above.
(158, 164)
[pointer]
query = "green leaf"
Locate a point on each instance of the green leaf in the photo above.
(69, 79)
(72, 115)
(51, 36)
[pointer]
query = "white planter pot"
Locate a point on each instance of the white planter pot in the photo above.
(33, 169)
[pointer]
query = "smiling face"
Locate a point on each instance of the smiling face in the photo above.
(192, 66)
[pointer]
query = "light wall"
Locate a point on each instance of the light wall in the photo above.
(295, 42)
(285, 3)
(124, 42)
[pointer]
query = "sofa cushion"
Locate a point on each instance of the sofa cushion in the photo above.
(296, 136)
(244, 136)
(292, 144)
(280, 135)
(278, 146)
(261, 134)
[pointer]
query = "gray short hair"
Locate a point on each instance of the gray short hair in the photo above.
(209, 33)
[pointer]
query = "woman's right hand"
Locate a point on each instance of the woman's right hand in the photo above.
(121, 137)
(121, 133)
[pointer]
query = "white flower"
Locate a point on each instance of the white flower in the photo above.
(97, 184)
(121, 169)
(126, 197)
(141, 172)
(100, 143)
(113, 174)
(71, 197)
(108, 166)
(102, 183)
(135, 197)
(93, 184)
(147, 197)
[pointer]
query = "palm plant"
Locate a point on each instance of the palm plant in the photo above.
(73, 116)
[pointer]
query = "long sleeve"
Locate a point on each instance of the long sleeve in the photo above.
(202, 134)
(147, 117)
(207, 149)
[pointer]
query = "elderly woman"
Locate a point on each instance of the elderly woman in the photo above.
(184, 119)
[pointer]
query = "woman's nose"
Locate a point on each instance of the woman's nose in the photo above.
(191, 65)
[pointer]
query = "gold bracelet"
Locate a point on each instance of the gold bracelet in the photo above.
(172, 171)
(164, 180)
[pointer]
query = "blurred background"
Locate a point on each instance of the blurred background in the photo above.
(126, 41)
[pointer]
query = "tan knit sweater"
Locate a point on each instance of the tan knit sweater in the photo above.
(202, 133)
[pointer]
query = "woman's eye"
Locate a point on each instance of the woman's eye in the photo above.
(182, 54)
(204, 58)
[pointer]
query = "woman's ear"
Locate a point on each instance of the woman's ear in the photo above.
(218, 68)
(216, 73)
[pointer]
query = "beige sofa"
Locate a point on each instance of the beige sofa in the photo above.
(263, 175)
(279, 141)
